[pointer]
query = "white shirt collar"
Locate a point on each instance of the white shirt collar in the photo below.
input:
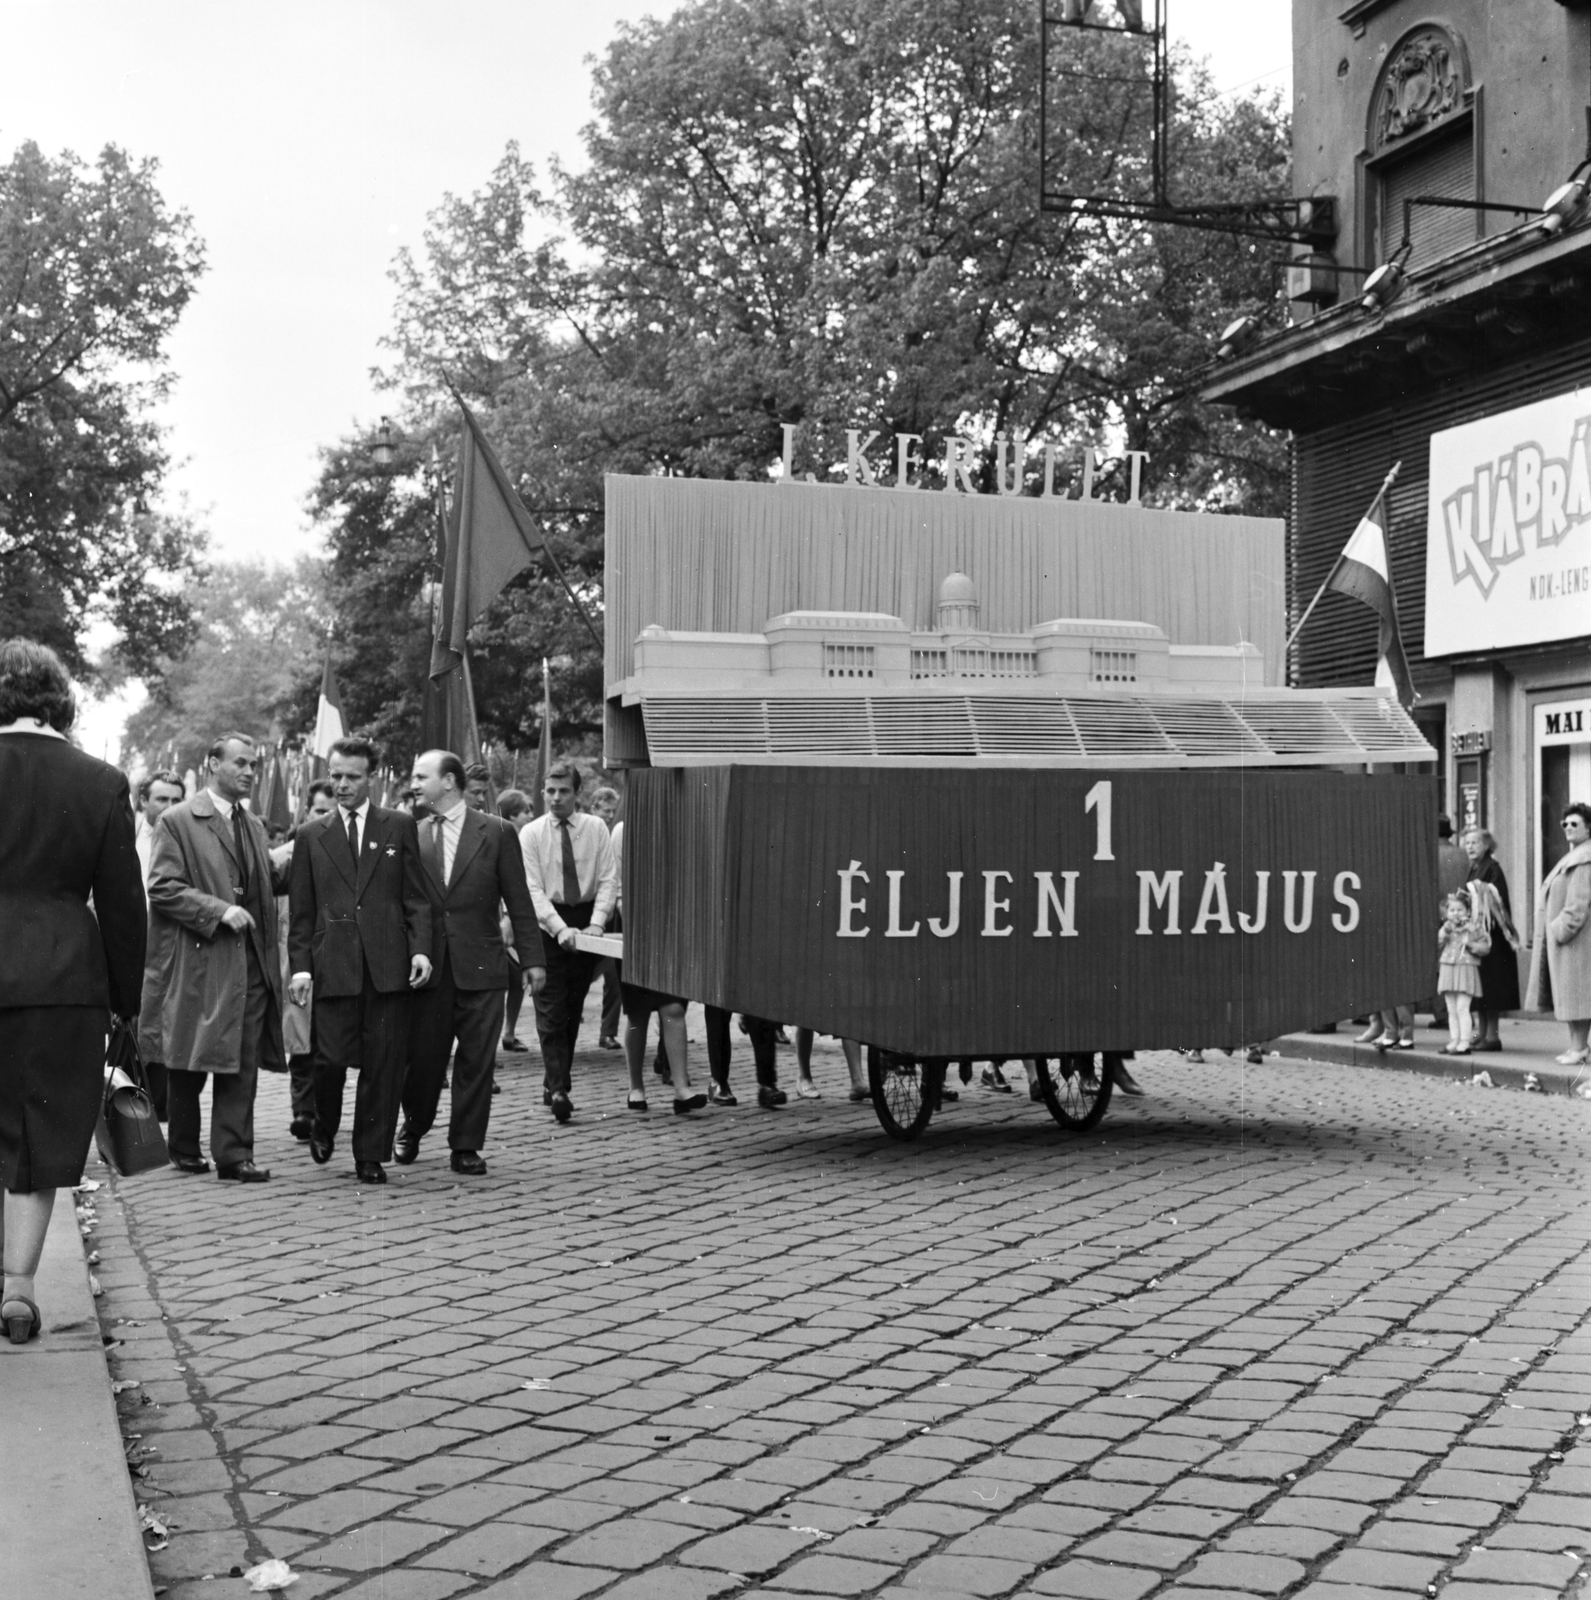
(456, 815)
(31, 725)
(220, 802)
(362, 810)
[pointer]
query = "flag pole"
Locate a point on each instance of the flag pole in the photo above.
(1381, 494)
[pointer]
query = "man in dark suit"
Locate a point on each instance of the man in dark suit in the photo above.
(360, 927)
(472, 862)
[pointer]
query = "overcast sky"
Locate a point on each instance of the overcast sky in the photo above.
(309, 141)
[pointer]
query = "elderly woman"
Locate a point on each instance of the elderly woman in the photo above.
(1560, 964)
(1499, 972)
(66, 833)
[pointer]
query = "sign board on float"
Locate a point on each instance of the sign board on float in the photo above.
(970, 912)
(1508, 529)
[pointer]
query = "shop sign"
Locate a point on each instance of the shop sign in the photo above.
(1508, 529)
(1564, 722)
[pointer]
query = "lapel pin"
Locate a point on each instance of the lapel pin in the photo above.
(391, 850)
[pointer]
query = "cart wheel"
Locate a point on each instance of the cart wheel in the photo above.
(902, 1094)
(1078, 1090)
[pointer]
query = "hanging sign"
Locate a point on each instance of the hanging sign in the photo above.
(1508, 529)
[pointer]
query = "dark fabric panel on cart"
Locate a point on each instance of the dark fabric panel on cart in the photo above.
(789, 834)
(674, 876)
(1337, 470)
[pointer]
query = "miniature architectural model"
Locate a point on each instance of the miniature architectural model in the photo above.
(820, 687)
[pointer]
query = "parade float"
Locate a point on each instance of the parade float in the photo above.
(990, 776)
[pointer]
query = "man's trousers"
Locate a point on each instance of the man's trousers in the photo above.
(563, 998)
(369, 1033)
(231, 1097)
(764, 1047)
(440, 1016)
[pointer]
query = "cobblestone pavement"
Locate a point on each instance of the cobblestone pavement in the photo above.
(1283, 1330)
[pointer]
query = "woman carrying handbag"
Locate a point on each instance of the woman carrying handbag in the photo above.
(66, 835)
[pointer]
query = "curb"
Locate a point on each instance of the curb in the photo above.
(68, 1520)
(1507, 1069)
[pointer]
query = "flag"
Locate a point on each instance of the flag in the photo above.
(490, 539)
(329, 726)
(1364, 572)
(543, 746)
(271, 804)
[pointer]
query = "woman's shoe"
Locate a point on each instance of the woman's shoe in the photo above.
(1370, 1035)
(1574, 1058)
(993, 1078)
(1406, 1041)
(636, 1102)
(859, 1095)
(1486, 1044)
(1195, 1056)
(21, 1318)
(808, 1090)
(1387, 1041)
(1126, 1082)
(690, 1102)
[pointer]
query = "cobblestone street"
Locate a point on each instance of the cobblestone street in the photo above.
(1276, 1330)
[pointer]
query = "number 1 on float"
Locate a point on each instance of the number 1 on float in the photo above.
(1097, 800)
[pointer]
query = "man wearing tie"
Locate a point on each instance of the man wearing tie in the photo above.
(212, 911)
(360, 925)
(472, 863)
(574, 881)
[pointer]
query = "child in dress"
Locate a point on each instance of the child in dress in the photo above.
(1463, 940)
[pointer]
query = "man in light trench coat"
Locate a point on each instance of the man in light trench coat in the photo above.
(212, 908)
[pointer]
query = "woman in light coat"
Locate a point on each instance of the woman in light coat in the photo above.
(1560, 962)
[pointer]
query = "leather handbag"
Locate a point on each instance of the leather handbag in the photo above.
(128, 1131)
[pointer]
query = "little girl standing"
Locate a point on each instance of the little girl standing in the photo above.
(1463, 940)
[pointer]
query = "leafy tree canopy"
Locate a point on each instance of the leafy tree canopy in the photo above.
(94, 272)
(259, 632)
(818, 212)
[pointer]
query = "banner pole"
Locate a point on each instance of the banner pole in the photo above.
(1381, 494)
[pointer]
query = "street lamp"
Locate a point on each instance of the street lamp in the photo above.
(1237, 336)
(384, 449)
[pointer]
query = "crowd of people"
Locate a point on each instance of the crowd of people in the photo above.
(398, 941)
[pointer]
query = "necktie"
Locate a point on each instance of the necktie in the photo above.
(353, 836)
(433, 852)
(571, 877)
(240, 843)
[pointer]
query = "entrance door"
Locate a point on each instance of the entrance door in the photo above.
(1563, 772)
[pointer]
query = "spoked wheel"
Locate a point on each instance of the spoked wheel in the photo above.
(1077, 1088)
(905, 1091)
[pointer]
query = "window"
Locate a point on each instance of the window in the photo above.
(848, 661)
(930, 664)
(1113, 666)
(1444, 166)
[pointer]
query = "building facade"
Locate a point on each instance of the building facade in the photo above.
(1449, 330)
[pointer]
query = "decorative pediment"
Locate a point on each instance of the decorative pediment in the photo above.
(1423, 83)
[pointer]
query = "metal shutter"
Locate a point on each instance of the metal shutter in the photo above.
(1335, 472)
(1444, 166)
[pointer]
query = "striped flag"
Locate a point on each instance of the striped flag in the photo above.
(1364, 572)
(329, 725)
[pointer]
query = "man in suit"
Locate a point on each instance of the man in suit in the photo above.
(360, 928)
(212, 909)
(574, 884)
(156, 795)
(472, 862)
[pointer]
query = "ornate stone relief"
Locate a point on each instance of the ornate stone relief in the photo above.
(1422, 84)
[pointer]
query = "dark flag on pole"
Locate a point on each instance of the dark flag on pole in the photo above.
(538, 802)
(271, 803)
(1363, 571)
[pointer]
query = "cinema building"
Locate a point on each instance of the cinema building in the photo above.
(1449, 329)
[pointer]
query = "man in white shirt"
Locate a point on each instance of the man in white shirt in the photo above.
(159, 791)
(574, 883)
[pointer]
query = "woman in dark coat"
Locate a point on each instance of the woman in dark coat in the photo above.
(66, 833)
(1499, 966)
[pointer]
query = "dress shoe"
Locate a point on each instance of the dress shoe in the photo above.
(406, 1146)
(301, 1128)
(720, 1094)
(771, 1098)
(546, 1097)
(606, 1041)
(319, 1149)
(244, 1172)
(689, 1102)
(561, 1107)
(369, 1172)
(469, 1163)
(513, 1045)
(190, 1164)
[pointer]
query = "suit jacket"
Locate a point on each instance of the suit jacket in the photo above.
(487, 868)
(66, 833)
(340, 921)
(194, 876)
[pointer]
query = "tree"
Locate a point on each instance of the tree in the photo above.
(94, 272)
(822, 212)
(259, 632)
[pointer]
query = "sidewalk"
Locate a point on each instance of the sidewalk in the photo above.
(1529, 1046)
(68, 1523)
